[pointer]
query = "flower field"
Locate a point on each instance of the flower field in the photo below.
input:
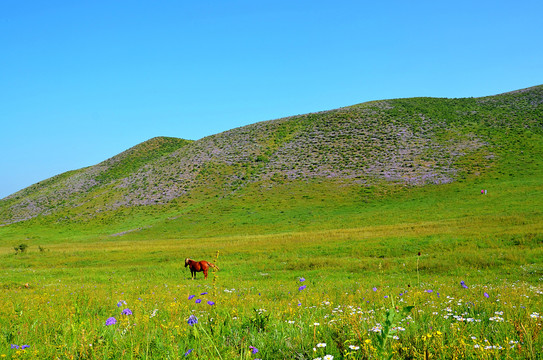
(284, 315)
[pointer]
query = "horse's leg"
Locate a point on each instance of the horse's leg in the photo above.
(205, 273)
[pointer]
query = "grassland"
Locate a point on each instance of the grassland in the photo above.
(306, 259)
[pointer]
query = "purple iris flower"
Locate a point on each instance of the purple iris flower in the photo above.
(204, 293)
(127, 311)
(486, 295)
(211, 303)
(111, 321)
(25, 346)
(188, 352)
(302, 279)
(191, 297)
(192, 320)
(13, 346)
(301, 287)
(197, 301)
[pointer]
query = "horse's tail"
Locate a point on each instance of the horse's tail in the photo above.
(213, 266)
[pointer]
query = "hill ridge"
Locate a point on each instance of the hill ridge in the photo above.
(407, 142)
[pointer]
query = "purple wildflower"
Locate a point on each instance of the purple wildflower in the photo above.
(204, 293)
(210, 303)
(111, 321)
(253, 349)
(374, 289)
(191, 297)
(25, 346)
(13, 346)
(197, 301)
(302, 279)
(386, 296)
(188, 352)
(301, 287)
(463, 284)
(120, 303)
(486, 295)
(429, 291)
(192, 320)
(127, 311)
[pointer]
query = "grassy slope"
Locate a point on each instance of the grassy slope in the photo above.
(342, 237)
(513, 173)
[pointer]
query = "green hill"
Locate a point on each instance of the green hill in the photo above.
(373, 164)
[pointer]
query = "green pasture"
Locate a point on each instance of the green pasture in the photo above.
(475, 290)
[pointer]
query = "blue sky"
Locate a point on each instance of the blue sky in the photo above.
(81, 81)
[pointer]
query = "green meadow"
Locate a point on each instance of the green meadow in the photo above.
(315, 267)
(473, 292)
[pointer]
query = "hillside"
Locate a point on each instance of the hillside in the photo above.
(371, 150)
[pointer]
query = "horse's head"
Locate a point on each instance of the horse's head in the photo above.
(187, 262)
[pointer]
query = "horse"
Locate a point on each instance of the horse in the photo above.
(197, 266)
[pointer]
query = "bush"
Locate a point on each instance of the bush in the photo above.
(21, 248)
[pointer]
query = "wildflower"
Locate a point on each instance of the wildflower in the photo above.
(429, 291)
(204, 293)
(367, 341)
(486, 295)
(191, 297)
(253, 349)
(354, 347)
(301, 287)
(24, 347)
(120, 303)
(396, 337)
(197, 301)
(328, 357)
(192, 320)
(302, 279)
(13, 346)
(317, 324)
(111, 321)
(127, 311)
(374, 289)
(321, 345)
(188, 352)
(210, 303)
(463, 284)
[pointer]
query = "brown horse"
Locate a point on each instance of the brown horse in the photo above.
(197, 266)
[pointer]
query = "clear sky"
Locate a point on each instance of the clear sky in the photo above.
(81, 81)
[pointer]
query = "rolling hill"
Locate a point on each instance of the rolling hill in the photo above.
(336, 163)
